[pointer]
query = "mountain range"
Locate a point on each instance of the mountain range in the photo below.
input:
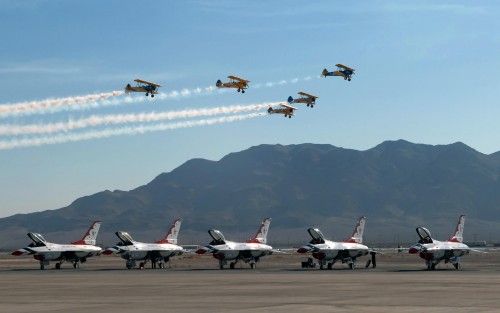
(398, 185)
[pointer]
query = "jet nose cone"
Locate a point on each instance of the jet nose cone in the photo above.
(302, 250)
(200, 251)
(107, 251)
(17, 252)
(413, 250)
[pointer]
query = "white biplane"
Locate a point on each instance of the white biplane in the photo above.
(143, 86)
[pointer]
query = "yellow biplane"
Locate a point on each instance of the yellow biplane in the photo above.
(143, 86)
(284, 109)
(342, 70)
(306, 98)
(234, 82)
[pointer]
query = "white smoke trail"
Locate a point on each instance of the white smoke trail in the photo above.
(95, 101)
(130, 130)
(95, 120)
(88, 102)
(20, 108)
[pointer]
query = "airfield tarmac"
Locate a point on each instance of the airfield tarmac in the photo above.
(195, 284)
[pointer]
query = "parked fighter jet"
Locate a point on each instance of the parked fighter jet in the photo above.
(328, 252)
(249, 251)
(434, 251)
(158, 252)
(77, 252)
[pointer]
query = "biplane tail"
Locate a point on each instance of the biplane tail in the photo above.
(290, 99)
(325, 73)
(218, 83)
(128, 89)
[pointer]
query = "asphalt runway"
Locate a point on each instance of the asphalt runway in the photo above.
(195, 284)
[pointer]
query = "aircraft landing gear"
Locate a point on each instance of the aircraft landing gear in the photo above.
(147, 94)
(130, 264)
(329, 266)
(43, 263)
(239, 89)
(348, 79)
(231, 265)
(242, 91)
(253, 266)
(58, 266)
(289, 116)
(222, 263)
(152, 95)
(76, 264)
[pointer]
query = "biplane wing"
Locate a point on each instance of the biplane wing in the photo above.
(307, 95)
(288, 106)
(339, 73)
(238, 79)
(345, 67)
(146, 82)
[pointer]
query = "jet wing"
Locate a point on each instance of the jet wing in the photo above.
(146, 82)
(239, 79)
(22, 251)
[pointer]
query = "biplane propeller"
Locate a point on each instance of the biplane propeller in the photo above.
(342, 70)
(143, 86)
(285, 109)
(234, 82)
(306, 98)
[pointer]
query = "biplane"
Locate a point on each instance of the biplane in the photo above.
(342, 70)
(143, 86)
(306, 98)
(284, 109)
(234, 82)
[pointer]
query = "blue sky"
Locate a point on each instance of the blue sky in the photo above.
(427, 72)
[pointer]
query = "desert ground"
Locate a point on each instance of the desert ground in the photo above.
(193, 283)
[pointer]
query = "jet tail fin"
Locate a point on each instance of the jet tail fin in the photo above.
(261, 236)
(357, 235)
(90, 236)
(173, 232)
(459, 230)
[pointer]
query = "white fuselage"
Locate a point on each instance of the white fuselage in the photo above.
(439, 250)
(239, 250)
(142, 251)
(331, 250)
(53, 251)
